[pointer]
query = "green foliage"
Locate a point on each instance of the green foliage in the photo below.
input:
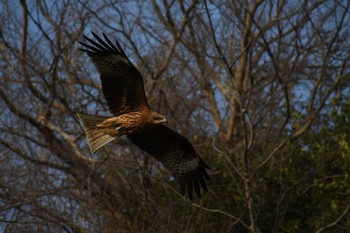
(308, 184)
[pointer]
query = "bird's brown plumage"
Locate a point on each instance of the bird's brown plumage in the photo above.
(176, 153)
(122, 83)
(123, 88)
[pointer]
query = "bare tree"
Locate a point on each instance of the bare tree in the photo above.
(246, 81)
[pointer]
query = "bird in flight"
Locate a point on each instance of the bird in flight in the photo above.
(123, 89)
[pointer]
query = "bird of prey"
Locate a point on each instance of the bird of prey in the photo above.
(123, 89)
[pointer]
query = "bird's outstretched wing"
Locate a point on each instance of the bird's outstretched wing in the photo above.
(177, 154)
(122, 83)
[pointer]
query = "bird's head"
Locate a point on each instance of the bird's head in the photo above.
(158, 118)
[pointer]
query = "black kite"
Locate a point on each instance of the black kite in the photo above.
(123, 88)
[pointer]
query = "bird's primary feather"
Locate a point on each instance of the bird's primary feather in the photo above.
(176, 153)
(122, 83)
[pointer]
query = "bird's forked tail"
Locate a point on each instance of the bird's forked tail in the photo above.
(95, 135)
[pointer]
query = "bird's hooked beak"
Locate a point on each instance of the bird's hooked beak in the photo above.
(164, 120)
(159, 119)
